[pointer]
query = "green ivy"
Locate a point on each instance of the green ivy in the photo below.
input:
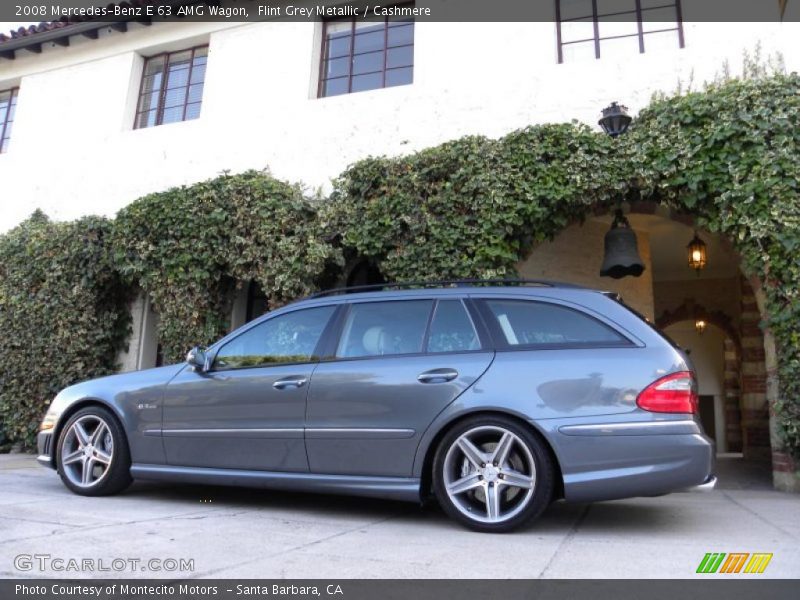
(475, 206)
(63, 315)
(189, 246)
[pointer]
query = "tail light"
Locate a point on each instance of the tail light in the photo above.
(675, 393)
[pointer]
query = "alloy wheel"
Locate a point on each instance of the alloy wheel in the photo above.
(87, 451)
(489, 474)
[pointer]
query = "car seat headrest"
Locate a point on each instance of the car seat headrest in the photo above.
(374, 340)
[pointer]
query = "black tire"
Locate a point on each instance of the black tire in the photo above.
(117, 474)
(529, 503)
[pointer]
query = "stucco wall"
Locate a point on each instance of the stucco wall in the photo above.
(575, 256)
(73, 150)
(140, 353)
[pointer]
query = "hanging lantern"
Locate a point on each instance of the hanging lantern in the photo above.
(615, 119)
(697, 253)
(621, 256)
(700, 325)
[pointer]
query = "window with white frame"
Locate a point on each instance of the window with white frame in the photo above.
(8, 106)
(360, 55)
(172, 87)
(590, 29)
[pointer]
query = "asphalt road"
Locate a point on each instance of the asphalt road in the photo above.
(238, 533)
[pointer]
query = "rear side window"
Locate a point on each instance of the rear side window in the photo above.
(662, 334)
(528, 323)
(384, 328)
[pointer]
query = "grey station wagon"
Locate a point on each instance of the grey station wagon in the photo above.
(496, 399)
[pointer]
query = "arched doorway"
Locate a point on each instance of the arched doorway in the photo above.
(717, 379)
(668, 293)
(715, 347)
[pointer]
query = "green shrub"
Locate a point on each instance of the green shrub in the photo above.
(187, 247)
(63, 315)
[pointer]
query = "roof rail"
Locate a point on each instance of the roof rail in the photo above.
(378, 287)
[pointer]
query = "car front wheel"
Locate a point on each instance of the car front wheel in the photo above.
(493, 474)
(93, 456)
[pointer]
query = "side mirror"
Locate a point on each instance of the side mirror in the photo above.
(198, 360)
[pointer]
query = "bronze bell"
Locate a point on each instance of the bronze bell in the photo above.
(621, 256)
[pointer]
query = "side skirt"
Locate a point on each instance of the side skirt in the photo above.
(390, 488)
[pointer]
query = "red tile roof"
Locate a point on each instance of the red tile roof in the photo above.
(33, 30)
(46, 26)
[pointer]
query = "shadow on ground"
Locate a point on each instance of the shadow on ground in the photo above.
(734, 473)
(625, 516)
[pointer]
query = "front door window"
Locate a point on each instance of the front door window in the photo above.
(285, 339)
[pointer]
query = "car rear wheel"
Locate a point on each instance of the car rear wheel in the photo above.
(93, 457)
(493, 474)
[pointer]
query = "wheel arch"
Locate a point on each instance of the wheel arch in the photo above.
(426, 479)
(71, 410)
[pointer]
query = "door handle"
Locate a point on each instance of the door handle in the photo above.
(282, 384)
(437, 376)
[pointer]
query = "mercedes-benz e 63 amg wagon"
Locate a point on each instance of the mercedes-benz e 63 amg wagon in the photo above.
(494, 399)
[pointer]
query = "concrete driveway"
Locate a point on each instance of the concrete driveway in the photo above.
(236, 533)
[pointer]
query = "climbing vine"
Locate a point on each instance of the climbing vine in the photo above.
(189, 246)
(63, 315)
(475, 206)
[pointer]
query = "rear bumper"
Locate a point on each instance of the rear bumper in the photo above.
(615, 466)
(707, 486)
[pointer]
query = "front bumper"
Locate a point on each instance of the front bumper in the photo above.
(44, 445)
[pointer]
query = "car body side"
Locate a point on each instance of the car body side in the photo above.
(580, 400)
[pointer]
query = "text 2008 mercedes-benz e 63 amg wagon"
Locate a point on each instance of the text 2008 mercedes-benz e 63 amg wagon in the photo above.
(495, 399)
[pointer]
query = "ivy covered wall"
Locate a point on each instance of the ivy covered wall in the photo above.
(473, 207)
(63, 315)
(187, 247)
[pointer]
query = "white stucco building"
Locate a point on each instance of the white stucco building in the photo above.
(74, 149)
(84, 123)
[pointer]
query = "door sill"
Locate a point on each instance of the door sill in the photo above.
(406, 489)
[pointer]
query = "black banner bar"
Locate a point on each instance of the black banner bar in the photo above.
(737, 588)
(27, 11)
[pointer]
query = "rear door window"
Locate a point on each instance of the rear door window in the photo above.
(525, 323)
(451, 329)
(384, 328)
